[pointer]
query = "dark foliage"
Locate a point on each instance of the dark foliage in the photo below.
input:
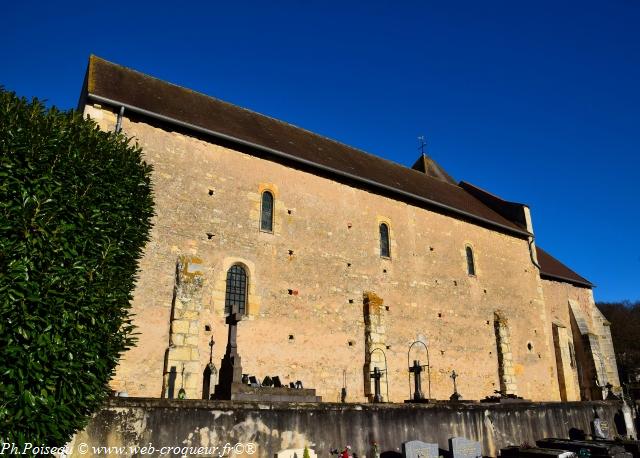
(75, 210)
(625, 331)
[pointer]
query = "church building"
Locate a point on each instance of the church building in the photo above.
(338, 261)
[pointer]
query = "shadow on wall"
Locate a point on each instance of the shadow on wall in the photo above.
(391, 454)
(577, 434)
(618, 420)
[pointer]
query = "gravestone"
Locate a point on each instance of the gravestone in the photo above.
(631, 446)
(235, 386)
(419, 449)
(230, 375)
(535, 452)
(600, 428)
(595, 448)
(461, 447)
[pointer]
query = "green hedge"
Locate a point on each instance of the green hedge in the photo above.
(75, 211)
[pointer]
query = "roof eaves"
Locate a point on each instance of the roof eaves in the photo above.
(573, 281)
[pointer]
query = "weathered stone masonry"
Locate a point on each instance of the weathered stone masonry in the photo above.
(182, 361)
(320, 297)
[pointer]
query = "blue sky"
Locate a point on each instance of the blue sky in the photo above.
(538, 102)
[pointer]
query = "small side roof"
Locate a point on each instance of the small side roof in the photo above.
(552, 269)
(114, 85)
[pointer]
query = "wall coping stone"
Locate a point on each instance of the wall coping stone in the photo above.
(159, 403)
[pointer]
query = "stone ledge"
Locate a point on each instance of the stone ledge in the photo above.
(158, 403)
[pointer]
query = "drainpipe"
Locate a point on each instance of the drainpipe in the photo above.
(532, 241)
(119, 121)
(532, 238)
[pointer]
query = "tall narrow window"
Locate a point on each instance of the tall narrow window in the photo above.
(266, 215)
(385, 252)
(236, 294)
(471, 267)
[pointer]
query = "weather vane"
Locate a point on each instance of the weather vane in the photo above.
(423, 144)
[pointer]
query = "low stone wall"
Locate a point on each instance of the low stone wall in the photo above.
(158, 423)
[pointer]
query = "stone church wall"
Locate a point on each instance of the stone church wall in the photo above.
(307, 281)
(588, 340)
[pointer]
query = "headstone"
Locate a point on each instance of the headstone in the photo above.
(594, 448)
(631, 446)
(419, 449)
(600, 428)
(461, 447)
(535, 452)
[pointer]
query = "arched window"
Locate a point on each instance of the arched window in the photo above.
(236, 293)
(385, 251)
(471, 266)
(266, 213)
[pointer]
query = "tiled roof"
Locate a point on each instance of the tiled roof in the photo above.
(113, 84)
(553, 269)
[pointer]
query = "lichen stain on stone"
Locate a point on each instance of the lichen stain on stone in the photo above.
(489, 438)
(293, 439)
(207, 437)
(248, 430)
(130, 421)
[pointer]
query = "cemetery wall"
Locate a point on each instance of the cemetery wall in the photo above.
(308, 278)
(323, 426)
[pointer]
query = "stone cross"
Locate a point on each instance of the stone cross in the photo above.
(211, 344)
(209, 374)
(232, 320)
(343, 391)
(455, 396)
(230, 366)
(376, 375)
(416, 369)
